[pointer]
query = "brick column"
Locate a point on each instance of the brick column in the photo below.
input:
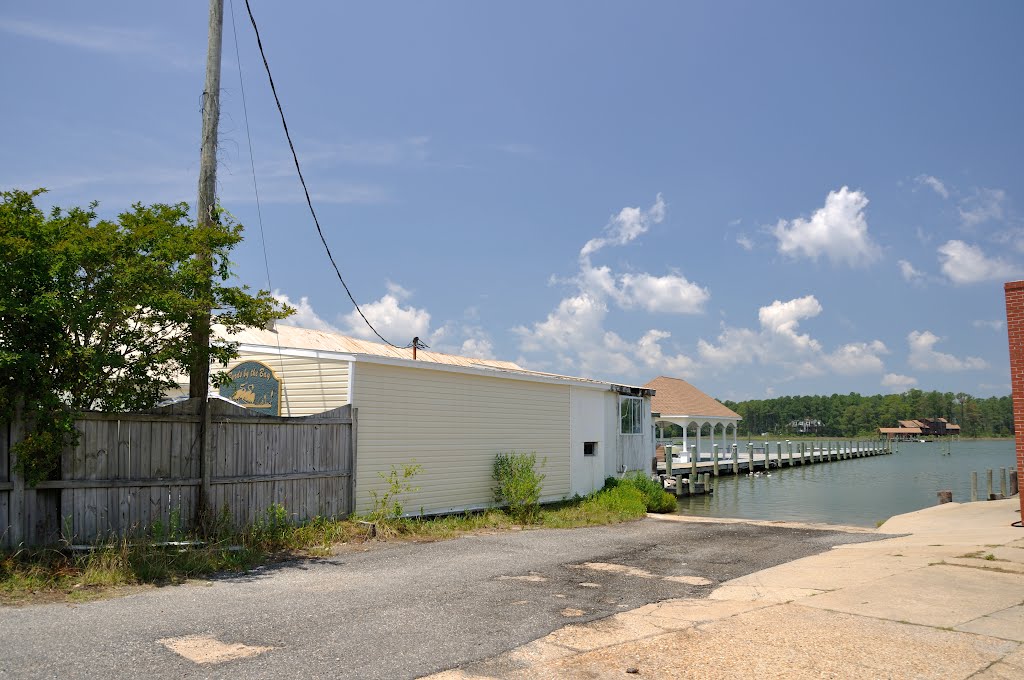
(1014, 292)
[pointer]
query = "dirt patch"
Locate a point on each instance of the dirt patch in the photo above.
(206, 649)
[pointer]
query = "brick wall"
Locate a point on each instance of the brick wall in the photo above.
(1014, 291)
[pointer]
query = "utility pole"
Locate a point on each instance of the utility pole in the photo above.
(199, 373)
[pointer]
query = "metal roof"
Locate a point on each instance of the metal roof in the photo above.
(295, 338)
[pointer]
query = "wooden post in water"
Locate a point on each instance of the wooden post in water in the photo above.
(668, 460)
(974, 485)
(1002, 482)
(1014, 489)
(990, 496)
(750, 456)
(735, 460)
(789, 452)
(714, 463)
(693, 467)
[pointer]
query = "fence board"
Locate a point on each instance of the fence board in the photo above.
(129, 471)
(5, 486)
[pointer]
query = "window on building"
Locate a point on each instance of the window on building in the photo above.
(631, 415)
(589, 448)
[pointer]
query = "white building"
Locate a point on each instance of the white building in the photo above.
(449, 414)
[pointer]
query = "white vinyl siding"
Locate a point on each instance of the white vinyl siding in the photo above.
(453, 425)
(308, 385)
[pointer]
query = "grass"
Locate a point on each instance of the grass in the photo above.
(169, 556)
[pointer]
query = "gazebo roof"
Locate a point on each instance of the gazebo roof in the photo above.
(676, 397)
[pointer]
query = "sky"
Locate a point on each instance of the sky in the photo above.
(762, 198)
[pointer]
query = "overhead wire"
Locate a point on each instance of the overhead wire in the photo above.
(298, 169)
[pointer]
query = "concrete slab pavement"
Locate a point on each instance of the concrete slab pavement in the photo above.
(945, 599)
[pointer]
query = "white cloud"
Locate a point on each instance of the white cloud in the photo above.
(981, 206)
(305, 316)
(858, 357)
(626, 226)
(397, 290)
(736, 346)
(924, 357)
(783, 318)
(897, 382)
(933, 183)
(838, 231)
(964, 263)
(396, 323)
(745, 242)
(996, 324)
(477, 347)
(909, 273)
(669, 294)
(575, 330)
(779, 343)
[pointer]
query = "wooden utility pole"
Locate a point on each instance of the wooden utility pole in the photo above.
(199, 374)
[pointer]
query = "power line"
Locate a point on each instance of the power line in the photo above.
(298, 169)
(255, 188)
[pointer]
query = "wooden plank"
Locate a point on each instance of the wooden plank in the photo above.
(96, 416)
(290, 422)
(353, 452)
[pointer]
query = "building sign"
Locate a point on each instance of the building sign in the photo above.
(254, 385)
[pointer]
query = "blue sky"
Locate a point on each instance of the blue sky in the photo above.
(763, 198)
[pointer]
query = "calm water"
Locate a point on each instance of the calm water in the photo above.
(860, 491)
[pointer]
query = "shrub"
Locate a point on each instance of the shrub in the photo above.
(655, 496)
(518, 484)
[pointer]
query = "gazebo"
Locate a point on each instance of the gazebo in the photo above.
(678, 402)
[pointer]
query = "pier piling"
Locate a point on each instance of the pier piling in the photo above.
(735, 460)
(714, 464)
(991, 496)
(1014, 489)
(974, 485)
(1002, 482)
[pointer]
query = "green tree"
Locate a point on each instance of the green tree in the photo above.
(95, 314)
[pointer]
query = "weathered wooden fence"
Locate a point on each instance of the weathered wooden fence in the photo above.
(131, 471)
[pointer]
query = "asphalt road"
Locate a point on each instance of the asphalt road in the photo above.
(395, 610)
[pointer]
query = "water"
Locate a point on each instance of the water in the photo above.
(859, 492)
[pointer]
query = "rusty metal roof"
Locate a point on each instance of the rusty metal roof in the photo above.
(293, 337)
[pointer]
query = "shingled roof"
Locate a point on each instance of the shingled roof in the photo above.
(676, 397)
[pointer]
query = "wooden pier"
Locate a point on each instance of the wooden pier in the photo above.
(692, 473)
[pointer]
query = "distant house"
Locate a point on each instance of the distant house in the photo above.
(922, 427)
(806, 426)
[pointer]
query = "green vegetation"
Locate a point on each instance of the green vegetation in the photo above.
(97, 314)
(518, 484)
(851, 415)
(655, 498)
(387, 505)
(170, 556)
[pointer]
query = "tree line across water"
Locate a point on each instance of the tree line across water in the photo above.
(850, 415)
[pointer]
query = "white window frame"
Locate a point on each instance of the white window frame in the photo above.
(636, 406)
